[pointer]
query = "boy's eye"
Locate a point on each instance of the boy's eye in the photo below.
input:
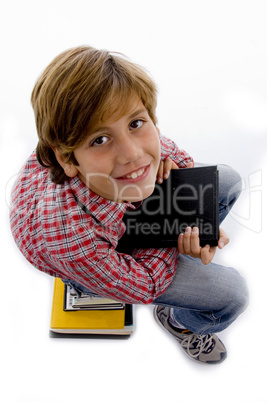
(136, 124)
(99, 141)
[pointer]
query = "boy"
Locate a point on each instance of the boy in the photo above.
(99, 153)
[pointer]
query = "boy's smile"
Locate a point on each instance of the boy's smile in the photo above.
(135, 176)
(119, 160)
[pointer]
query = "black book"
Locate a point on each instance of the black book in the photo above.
(189, 197)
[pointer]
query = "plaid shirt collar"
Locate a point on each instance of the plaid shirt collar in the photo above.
(105, 211)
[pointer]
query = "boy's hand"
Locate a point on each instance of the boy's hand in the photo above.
(165, 167)
(188, 243)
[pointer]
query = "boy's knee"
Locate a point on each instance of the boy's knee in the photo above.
(231, 290)
(239, 295)
(230, 179)
(230, 187)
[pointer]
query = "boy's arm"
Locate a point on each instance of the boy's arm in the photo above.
(139, 278)
(170, 150)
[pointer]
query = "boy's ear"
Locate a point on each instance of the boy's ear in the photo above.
(69, 169)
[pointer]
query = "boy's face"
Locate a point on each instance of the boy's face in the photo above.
(120, 159)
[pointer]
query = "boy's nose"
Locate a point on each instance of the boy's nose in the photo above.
(128, 150)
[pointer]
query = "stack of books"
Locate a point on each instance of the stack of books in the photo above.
(87, 315)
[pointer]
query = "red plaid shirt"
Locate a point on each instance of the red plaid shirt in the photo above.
(59, 238)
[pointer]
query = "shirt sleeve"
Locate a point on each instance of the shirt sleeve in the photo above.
(137, 278)
(170, 150)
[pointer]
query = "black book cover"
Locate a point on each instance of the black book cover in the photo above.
(189, 197)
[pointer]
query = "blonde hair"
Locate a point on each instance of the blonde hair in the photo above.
(79, 88)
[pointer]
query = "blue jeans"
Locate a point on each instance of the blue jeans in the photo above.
(207, 299)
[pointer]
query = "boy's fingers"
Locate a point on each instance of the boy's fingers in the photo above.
(205, 255)
(187, 240)
(160, 172)
(223, 240)
(189, 165)
(174, 166)
(189, 243)
(164, 169)
(194, 241)
(181, 243)
(168, 166)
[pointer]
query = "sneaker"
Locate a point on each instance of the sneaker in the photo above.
(201, 348)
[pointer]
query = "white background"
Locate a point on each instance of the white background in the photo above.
(209, 59)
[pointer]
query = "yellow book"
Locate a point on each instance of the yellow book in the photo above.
(87, 322)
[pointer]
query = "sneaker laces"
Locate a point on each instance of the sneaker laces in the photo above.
(204, 343)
